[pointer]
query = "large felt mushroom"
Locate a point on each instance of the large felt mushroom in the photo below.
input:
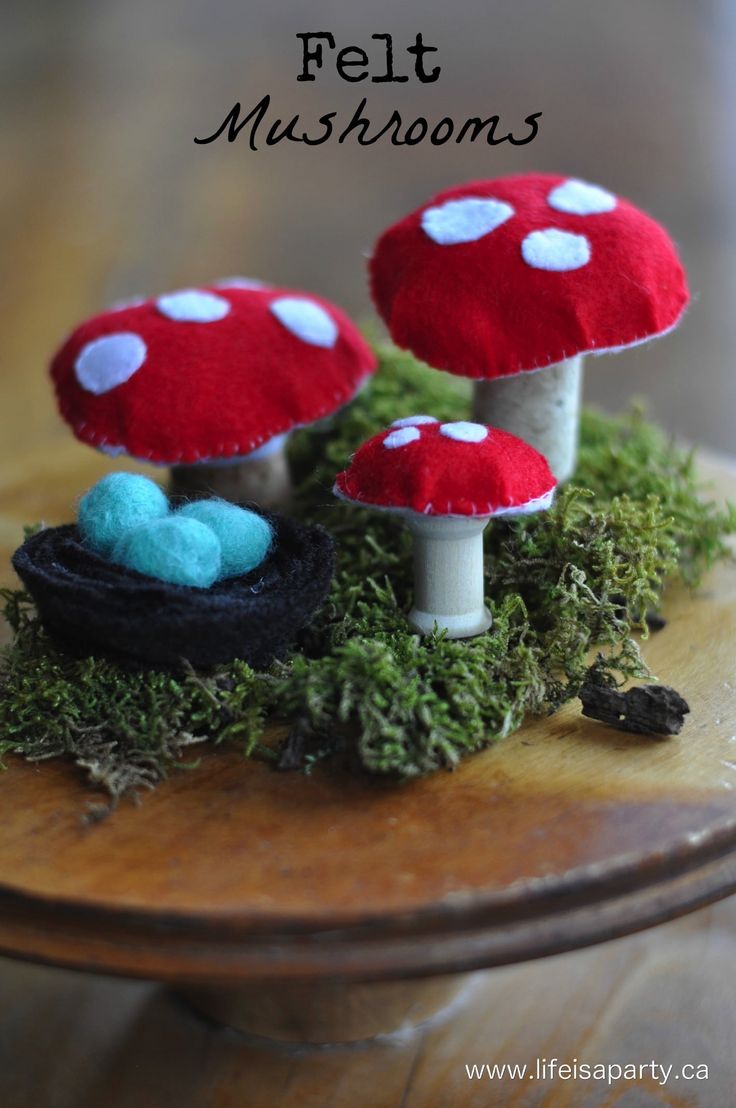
(446, 480)
(495, 280)
(210, 381)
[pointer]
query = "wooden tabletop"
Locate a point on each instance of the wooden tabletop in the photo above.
(71, 1040)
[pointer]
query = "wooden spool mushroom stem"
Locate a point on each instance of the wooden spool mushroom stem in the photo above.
(542, 407)
(448, 575)
(261, 478)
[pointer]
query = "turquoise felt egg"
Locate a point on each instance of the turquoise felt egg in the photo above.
(245, 537)
(116, 503)
(182, 551)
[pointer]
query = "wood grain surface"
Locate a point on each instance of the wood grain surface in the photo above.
(70, 1040)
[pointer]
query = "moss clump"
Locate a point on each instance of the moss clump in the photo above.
(581, 576)
(127, 730)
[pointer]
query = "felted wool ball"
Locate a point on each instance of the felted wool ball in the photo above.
(245, 537)
(181, 551)
(116, 503)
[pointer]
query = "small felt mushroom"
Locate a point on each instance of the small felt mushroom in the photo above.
(210, 381)
(495, 280)
(446, 480)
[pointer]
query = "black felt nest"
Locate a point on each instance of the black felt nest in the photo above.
(92, 606)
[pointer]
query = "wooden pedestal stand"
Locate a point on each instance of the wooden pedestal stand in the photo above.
(327, 908)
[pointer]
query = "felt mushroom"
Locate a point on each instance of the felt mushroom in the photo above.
(495, 280)
(446, 480)
(210, 381)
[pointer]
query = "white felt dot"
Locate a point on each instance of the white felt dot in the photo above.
(401, 437)
(555, 250)
(580, 198)
(463, 431)
(414, 421)
(305, 319)
(239, 283)
(464, 220)
(109, 361)
(193, 306)
(131, 302)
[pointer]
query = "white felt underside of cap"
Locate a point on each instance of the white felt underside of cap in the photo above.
(273, 446)
(594, 351)
(538, 504)
(639, 342)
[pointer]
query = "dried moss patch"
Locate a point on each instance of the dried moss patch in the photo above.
(361, 687)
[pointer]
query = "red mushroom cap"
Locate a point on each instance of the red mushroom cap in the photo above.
(447, 469)
(207, 373)
(496, 277)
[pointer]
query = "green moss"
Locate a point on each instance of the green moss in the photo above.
(128, 731)
(580, 577)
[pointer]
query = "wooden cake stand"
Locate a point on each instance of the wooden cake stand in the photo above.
(328, 908)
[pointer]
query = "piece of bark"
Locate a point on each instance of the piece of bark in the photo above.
(644, 710)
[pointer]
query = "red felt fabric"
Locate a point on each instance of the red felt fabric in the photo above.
(211, 390)
(478, 310)
(436, 475)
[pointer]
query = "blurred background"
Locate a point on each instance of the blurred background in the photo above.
(104, 193)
